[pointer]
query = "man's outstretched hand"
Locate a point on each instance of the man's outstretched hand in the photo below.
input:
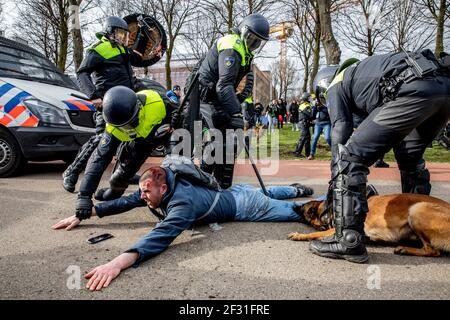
(70, 222)
(67, 223)
(102, 276)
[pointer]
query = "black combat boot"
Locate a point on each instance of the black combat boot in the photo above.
(107, 194)
(416, 181)
(302, 191)
(350, 209)
(349, 246)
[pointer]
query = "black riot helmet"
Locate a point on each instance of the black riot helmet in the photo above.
(322, 82)
(255, 31)
(306, 96)
(113, 23)
(115, 29)
(121, 107)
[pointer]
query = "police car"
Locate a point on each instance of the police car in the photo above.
(42, 114)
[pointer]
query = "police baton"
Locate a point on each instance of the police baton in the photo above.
(191, 87)
(261, 183)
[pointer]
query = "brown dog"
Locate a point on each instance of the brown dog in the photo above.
(392, 218)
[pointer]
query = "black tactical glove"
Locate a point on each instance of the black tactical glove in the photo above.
(84, 207)
(220, 119)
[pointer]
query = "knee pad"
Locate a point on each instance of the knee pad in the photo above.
(119, 179)
(349, 190)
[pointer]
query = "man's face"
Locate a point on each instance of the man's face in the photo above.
(152, 194)
(177, 92)
(121, 36)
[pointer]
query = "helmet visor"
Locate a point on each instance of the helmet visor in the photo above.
(121, 36)
(253, 41)
(130, 125)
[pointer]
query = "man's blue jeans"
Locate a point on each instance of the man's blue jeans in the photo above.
(318, 128)
(253, 205)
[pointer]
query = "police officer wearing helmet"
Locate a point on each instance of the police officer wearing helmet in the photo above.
(109, 61)
(220, 72)
(405, 101)
(141, 120)
(305, 117)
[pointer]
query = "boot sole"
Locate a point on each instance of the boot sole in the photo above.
(350, 258)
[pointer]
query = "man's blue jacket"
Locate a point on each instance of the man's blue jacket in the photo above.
(184, 204)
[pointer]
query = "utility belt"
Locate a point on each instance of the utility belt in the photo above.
(420, 65)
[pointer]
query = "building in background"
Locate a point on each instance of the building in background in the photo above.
(180, 70)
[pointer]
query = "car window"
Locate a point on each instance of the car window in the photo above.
(20, 61)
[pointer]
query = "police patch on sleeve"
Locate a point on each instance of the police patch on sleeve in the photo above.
(229, 62)
(106, 138)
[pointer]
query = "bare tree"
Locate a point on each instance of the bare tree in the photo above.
(439, 11)
(175, 13)
(200, 34)
(283, 78)
(225, 10)
(407, 27)
(364, 25)
(75, 8)
(303, 40)
(330, 44)
(212, 19)
(44, 24)
(317, 41)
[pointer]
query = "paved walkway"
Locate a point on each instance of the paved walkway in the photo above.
(319, 170)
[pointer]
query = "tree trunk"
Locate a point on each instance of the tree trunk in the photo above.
(440, 28)
(316, 53)
(331, 46)
(230, 15)
(306, 78)
(370, 50)
(63, 38)
(168, 70)
(76, 32)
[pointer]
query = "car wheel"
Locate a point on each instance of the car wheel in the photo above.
(11, 157)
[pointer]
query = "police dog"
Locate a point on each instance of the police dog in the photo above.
(391, 219)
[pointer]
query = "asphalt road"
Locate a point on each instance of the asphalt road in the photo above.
(242, 261)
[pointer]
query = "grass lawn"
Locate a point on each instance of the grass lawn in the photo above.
(288, 140)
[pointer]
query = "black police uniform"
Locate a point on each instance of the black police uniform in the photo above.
(133, 155)
(305, 118)
(402, 111)
(110, 65)
(220, 73)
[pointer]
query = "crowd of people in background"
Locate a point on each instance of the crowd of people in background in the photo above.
(303, 114)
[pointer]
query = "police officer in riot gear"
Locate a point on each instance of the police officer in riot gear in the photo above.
(109, 61)
(141, 120)
(405, 100)
(305, 118)
(224, 66)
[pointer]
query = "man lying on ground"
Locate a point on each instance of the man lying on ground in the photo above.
(183, 203)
